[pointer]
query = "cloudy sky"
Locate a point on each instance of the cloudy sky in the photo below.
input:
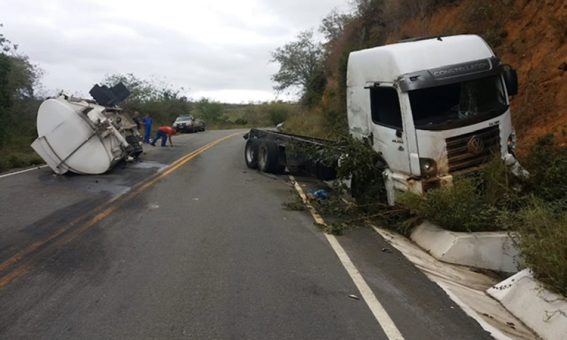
(217, 48)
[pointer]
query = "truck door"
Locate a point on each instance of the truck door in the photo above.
(389, 136)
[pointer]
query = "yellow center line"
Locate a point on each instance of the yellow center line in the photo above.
(105, 210)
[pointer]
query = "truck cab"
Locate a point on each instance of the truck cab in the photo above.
(431, 108)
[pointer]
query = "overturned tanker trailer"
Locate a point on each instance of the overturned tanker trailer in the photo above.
(86, 136)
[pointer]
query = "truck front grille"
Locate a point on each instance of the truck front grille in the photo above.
(473, 149)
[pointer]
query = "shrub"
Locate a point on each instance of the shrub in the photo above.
(12, 160)
(460, 207)
(240, 121)
(542, 237)
(547, 164)
(307, 123)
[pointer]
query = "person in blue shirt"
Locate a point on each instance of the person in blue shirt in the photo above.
(148, 121)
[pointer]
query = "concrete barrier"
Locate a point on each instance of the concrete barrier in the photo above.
(488, 250)
(540, 309)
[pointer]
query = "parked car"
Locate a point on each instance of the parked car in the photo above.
(189, 124)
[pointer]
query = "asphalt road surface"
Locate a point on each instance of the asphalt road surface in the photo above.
(191, 244)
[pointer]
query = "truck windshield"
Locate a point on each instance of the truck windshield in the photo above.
(458, 104)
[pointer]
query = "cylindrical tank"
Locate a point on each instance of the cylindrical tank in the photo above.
(82, 137)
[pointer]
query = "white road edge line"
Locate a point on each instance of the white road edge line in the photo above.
(22, 171)
(494, 332)
(384, 320)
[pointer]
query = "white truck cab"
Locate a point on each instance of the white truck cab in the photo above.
(431, 108)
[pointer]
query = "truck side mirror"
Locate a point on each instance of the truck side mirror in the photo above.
(510, 79)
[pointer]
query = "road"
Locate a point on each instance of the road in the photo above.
(200, 248)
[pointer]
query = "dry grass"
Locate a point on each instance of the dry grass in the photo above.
(542, 230)
(307, 123)
(11, 160)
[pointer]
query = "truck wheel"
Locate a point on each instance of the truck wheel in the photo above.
(251, 154)
(268, 157)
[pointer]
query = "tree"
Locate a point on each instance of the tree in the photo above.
(333, 25)
(163, 101)
(5, 97)
(18, 105)
(141, 90)
(301, 66)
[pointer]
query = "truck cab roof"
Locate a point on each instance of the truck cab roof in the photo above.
(387, 63)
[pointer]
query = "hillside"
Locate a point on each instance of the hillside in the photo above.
(531, 35)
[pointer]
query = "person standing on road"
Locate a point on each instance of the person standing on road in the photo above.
(148, 121)
(164, 132)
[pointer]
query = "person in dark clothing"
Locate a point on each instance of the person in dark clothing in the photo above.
(148, 121)
(164, 133)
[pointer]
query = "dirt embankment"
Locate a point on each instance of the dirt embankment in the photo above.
(531, 35)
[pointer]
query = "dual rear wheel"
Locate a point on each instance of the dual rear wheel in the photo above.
(263, 155)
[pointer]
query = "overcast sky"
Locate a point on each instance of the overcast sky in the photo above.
(217, 48)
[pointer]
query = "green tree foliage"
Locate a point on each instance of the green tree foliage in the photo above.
(162, 101)
(5, 44)
(277, 111)
(547, 163)
(259, 115)
(18, 106)
(5, 97)
(209, 110)
(333, 25)
(141, 90)
(301, 67)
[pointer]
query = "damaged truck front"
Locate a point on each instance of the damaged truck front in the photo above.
(432, 108)
(86, 136)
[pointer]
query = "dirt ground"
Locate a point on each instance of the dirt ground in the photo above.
(530, 35)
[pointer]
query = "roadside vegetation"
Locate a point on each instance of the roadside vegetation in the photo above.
(533, 210)
(541, 218)
(21, 96)
(18, 107)
(165, 102)
(492, 199)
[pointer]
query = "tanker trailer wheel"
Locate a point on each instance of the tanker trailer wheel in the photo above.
(268, 157)
(251, 153)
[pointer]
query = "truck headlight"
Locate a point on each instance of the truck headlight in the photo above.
(428, 167)
(512, 143)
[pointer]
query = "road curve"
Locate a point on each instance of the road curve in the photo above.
(205, 252)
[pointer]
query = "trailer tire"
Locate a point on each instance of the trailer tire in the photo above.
(268, 157)
(251, 153)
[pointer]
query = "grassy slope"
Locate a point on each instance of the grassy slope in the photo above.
(531, 35)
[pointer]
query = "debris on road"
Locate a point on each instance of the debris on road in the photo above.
(354, 297)
(320, 195)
